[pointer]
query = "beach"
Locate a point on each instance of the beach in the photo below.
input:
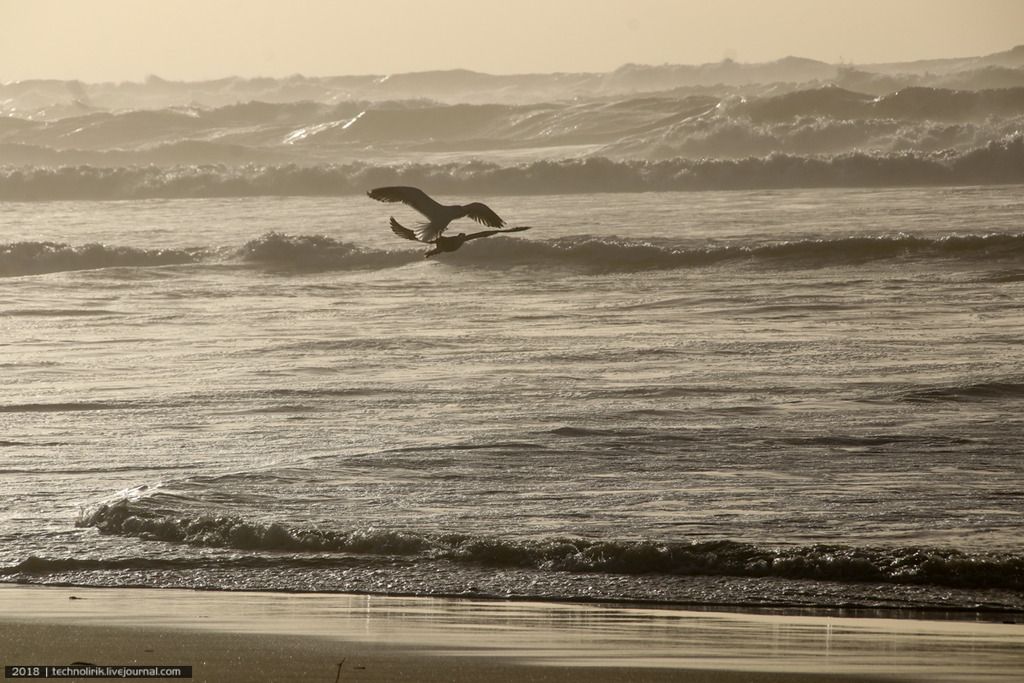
(248, 636)
(728, 390)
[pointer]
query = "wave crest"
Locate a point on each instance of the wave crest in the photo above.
(980, 391)
(33, 258)
(1000, 161)
(318, 252)
(280, 251)
(711, 558)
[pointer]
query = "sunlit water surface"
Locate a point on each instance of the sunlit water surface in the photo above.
(786, 398)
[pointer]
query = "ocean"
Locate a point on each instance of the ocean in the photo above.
(781, 398)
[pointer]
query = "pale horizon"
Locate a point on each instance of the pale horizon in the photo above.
(119, 40)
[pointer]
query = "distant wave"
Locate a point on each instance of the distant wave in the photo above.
(32, 258)
(910, 565)
(913, 103)
(60, 97)
(66, 407)
(980, 391)
(815, 120)
(611, 254)
(996, 162)
(58, 312)
(5, 443)
(278, 251)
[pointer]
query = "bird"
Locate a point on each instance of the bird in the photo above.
(439, 216)
(442, 243)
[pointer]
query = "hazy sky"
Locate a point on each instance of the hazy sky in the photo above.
(100, 40)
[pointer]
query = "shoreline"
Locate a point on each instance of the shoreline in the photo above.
(979, 614)
(228, 635)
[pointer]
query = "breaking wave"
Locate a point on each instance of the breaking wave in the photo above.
(996, 162)
(318, 252)
(903, 565)
(282, 252)
(809, 120)
(33, 258)
(608, 254)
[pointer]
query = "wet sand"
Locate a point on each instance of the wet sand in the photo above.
(304, 637)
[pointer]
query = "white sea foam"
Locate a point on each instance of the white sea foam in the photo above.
(816, 121)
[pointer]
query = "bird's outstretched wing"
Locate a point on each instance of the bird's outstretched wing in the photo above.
(413, 196)
(482, 213)
(488, 233)
(402, 231)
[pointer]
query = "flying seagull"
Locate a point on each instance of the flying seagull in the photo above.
(438, 217)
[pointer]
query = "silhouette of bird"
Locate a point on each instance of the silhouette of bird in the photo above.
(442, 243)
(439, 216)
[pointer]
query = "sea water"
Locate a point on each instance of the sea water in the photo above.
(802, 398)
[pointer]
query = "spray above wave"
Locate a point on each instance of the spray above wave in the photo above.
(930, 566)
(282, 252)
(822, 120)
(915, 103)
(49, 98)
(996, 162)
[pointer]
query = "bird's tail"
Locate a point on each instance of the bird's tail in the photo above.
(402, 231)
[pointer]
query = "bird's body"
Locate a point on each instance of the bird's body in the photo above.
(442, 243)
(439, 216)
